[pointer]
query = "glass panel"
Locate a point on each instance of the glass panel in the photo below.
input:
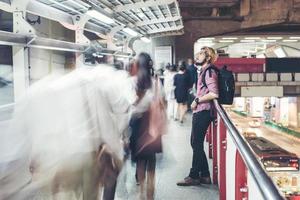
(6, 76)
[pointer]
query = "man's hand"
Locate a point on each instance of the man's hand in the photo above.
(194, 105)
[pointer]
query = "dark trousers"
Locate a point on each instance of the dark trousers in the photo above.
(200, 123)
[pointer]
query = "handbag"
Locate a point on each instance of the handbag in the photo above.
(154, 123)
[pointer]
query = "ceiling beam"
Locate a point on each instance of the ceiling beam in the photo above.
(225, 18)
(142, 4)
(177, 28)
(40, 9)
(207, 3)
(5, 6)
(155, 21)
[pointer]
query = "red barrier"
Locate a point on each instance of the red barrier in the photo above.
(209, 137)
(242, 65)
(215, 152)
(222, 170)
(241, 189)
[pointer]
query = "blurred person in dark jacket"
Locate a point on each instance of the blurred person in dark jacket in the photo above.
(181, 84)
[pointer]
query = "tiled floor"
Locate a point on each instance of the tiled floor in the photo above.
(172, 166)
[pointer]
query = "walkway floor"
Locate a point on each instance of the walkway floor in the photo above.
(173, 166)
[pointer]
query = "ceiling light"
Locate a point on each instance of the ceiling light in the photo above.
(130, 32)
(252, 38)
(229, 38)
(226, 41)
(295, 38)
(247, 41)
(204, 41)
(140, 14)
(145, 39)
(99, 16)
(290, 40)
(274, 38)
(268, 40)
(208, 38)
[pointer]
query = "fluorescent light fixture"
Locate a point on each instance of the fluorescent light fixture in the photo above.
(290, 40)
(226, 41)
(99, 16)
(280, 53)
(208, 38)
(140, 14)
(295, 38)
(247, 41)
(145, 39)
(229, 38)
(268, 40)
(205, 41)
(130, 32)
(274, 38)
(252, 38)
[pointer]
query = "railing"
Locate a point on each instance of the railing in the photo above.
(237, 171)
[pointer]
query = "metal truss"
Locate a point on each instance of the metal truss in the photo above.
(147, 18)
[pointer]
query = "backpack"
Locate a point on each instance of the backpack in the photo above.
(226, 84)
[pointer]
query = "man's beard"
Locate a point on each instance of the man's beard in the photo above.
(199, 64)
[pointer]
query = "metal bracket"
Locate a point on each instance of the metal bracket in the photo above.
(110, 41)
(130, 43)
(79, 23)
(20, 25)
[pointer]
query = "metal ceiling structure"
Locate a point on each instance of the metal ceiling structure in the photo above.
(147, 17)
(143, 18)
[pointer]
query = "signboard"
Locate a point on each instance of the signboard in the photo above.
(262, 91)
(163, 56)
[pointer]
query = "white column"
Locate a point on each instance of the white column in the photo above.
(20, 53)
(20, 71)
(80, 38)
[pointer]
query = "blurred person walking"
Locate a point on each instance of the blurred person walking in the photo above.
(192, 77)
(169, 91)
(203, 114)
(181, 84)
(147, 124)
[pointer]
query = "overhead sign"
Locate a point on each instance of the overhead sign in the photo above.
(262, 91)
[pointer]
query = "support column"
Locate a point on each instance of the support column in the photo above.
(20, 71)
(79, 22)
(20, 53)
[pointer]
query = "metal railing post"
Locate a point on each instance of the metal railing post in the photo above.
(215, 151)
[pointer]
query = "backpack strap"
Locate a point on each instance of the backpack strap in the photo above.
(209, 69)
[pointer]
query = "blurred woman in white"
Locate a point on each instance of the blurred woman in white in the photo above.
(169, 90)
